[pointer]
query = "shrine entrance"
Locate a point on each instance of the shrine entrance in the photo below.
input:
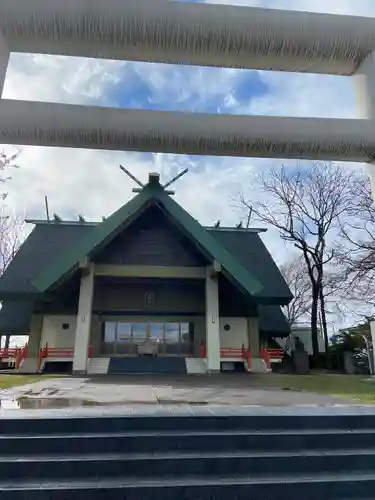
(169, 338)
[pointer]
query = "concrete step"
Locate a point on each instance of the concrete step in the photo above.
(146, 365)
(262, 455)
(196, 365)
(29, 365)
(178, 464)
(98, 366)
(188, 441)
(207, 423)
(270, 487)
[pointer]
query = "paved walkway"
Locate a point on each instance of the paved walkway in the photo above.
(186, 411)
(234, 390)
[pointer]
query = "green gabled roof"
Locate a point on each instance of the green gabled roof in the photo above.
(40, 250)
(69, 260)
(98, 236)
(242, 276)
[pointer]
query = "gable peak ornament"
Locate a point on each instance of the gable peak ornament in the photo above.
(153, 180)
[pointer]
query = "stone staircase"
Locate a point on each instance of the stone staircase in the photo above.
(97, 366)
(196, 365)
(146, 365)
(29, 365)
(273, 457)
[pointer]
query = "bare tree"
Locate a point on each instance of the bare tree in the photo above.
(7, 161)
(355, 256)
(305, 204)
(12, 231)
(294, 272)
(11, 226)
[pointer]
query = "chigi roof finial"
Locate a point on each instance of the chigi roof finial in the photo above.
(153, 180)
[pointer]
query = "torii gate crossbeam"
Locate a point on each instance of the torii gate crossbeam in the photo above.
(199, 34)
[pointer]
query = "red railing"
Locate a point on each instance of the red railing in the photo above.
(203, 350)
(59, 352)
(15, 353)
(276, 354)
(9, 352)
(233, 352)
(21, 353)
(270, 355)
(230, 352)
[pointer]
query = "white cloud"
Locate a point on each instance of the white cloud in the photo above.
(345, 7)
(59, 79)
(242, 3)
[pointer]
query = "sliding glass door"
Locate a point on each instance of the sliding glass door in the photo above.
(171, 338)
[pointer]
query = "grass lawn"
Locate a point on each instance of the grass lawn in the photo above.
(342, 386)
(7, 381)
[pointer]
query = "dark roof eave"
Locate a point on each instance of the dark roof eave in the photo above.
(261, 298)
(17, 296)
(61, 281)
(272, 301)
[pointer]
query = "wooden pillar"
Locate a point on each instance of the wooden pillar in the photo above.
(84, 318)
(35, 335)
(258, 365)
(212, 321)
(253, 336)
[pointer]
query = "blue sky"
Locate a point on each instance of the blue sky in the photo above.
(90, 182)
(138, 91)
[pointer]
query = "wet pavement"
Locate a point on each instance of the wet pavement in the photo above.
(128, 391)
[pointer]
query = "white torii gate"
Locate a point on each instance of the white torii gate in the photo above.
(198, 34)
